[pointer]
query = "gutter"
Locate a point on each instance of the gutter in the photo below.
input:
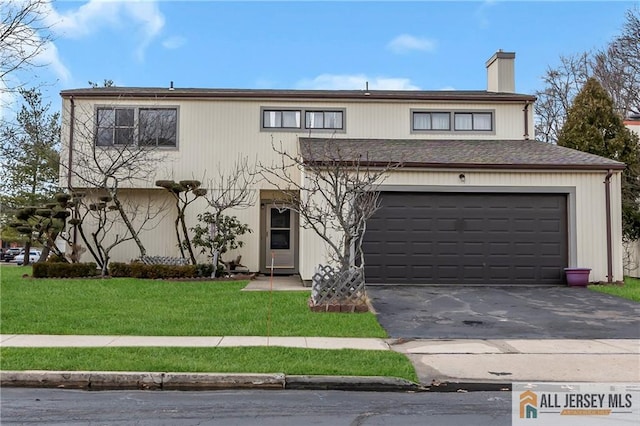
(607, 202)
(294, 95)
(490, 166)
(526, 120)
(72, 125)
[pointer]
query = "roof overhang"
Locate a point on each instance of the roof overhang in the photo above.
(452, 154)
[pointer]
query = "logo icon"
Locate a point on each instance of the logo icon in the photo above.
(528, 405)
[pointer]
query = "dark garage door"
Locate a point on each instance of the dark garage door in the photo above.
(477, 238)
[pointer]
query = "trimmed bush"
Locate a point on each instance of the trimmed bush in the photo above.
(140, 270)
(54, 258)
(118, 269)
(204, 269)
(64, 270)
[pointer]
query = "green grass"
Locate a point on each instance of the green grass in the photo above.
(346, 362)
(630, 290)
(127, 306)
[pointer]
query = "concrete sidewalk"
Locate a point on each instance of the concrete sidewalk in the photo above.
(56, 341)
(465, 364)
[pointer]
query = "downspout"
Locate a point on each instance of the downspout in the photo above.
(607, 202)
(526, 120)
(72, 125)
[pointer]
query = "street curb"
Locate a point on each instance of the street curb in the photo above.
(352, 383)
(122, 380)
(118, 380)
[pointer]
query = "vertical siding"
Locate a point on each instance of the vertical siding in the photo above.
(214, 133)
(589, 219)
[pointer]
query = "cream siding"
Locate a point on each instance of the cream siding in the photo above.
(212, 133)
(587, 224)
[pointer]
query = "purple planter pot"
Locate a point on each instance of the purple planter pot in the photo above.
(577, 277)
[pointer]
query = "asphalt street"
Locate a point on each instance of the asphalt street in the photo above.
(282, 408)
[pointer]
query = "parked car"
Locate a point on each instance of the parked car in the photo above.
(11, 253)
(34, 255)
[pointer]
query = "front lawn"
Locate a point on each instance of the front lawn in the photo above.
(128, 306)
(630, 290)
(347, 362)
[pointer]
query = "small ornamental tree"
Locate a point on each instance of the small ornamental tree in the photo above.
(593, 126)
(184, 193)
(336, 197)
(230, 190)
(218, 234)
(42, 224)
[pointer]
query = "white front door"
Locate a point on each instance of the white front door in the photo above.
(280, 250)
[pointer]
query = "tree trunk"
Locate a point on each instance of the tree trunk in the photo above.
(185, 232)
(27, 249)
(128, 224)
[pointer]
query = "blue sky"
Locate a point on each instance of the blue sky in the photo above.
(428, 45)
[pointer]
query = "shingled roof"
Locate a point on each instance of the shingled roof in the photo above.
(490, 154)
(286, 94)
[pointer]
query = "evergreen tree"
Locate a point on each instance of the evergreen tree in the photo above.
(593, 126)
(30, 153)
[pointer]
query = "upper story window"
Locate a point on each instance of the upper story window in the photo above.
(473, 121)
(323, 120)
(291, 119)
(285, 119)
(157, 127)
(115, 126)
(144, 126)
(431, 121)
(452, 121)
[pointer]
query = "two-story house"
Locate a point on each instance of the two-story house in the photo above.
(476, 199)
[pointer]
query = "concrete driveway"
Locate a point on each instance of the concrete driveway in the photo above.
(435, 312)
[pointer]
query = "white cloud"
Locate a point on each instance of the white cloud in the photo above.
(482, 11)
(50, 57)
(95, 15)
(174, 42)
(405, 43)
(355, 82)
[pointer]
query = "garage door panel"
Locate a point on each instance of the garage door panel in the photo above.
(455, 238)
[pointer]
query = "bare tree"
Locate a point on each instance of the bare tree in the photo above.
(227, 191)
(23, 36)
(184, 193)
(562, 84)
(334, 194)
(616, 67)
(99, 222)
(119, 150)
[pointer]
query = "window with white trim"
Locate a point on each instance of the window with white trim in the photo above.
(143, 126)
(281, 119)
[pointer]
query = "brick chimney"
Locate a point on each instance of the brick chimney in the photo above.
(500, 72)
